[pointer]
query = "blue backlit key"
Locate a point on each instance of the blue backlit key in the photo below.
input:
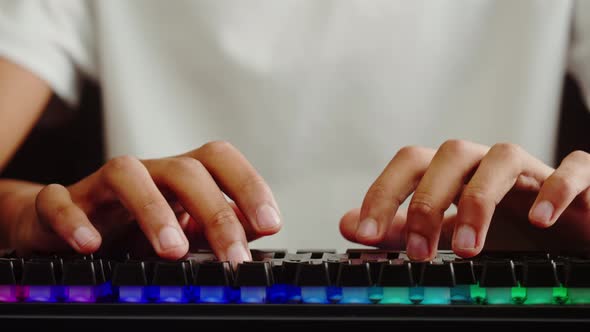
(213, 282)
(130, 282)
(254, 280)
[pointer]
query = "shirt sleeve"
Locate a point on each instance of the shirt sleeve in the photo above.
(51, 38)
(579, 55)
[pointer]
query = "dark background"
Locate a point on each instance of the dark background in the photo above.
(68, 152)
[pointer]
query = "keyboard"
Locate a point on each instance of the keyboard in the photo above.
(357, 286)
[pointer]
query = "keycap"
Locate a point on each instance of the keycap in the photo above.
(40, 282)
(39, 272)
(130, 274)
(578, 281)
(578, 274)
(170, 282)
(253, 274)
(316, 253)
(79, 272)
(396, 274)
(499, 273)
(375, 268)
(171, 274)
(253, 278)
(213, 282)
(285, 272)
(130, 280)
(437, 275)
(313, 275)
(267, 254)
(7, 276)
(540, 274)
(354, 278)
(301, 257)
(354, 275)
(464, 272)
(213, 274)
(8, 281)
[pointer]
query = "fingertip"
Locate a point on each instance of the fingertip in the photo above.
(174, 253)
(172, 243)
(348, 224)
(237, 253)
(86, 240)
(367, 232)
(268, 220)
(541, 214)
(466, 253)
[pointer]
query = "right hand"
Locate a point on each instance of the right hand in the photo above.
(177, 202)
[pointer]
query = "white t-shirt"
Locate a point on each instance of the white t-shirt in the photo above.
(319, 95)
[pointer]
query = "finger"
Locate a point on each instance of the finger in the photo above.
(240, 181)
(133, 186)
(194, 229)
(200, 196)
(396, 231)
(55, 209)
(389, 191)
(441, 183)
(571, 178)
(502, 168)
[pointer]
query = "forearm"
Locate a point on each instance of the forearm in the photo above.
(23, 97)
(15, 197)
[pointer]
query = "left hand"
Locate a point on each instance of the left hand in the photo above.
(483, 182)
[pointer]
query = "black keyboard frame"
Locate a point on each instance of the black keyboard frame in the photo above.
(264, 316)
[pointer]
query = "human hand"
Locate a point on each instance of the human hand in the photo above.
(482, 182)
(173, 203)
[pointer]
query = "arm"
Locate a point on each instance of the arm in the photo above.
(23, 97)
(35, 217)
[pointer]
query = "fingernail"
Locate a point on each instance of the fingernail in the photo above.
(417, 247)
(465, 237)
(83, 235)
(237, 253)
(170, 238)
(367, 228)
(543, 212)
(267, 217)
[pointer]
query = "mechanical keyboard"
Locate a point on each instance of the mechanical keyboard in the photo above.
(358, 286)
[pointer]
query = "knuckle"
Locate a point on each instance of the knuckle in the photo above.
(378, 192)
(475, 197)
(119, 165)
(44, 196)
(223, 218)
(47, 192)
(422, 205)
(507, 150)
(564, 186)
(251, 184)
(411, 152)
(185, 165)
(216, 147)
(154, 207)
(580, 157)
(454, 146)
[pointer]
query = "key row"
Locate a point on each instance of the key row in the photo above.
(339, 272)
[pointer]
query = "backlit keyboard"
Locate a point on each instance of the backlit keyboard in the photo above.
(359, 284)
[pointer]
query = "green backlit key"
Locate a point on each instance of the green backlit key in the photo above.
(542, 284)
(396, 282)
(499, 285)
(578, 281)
